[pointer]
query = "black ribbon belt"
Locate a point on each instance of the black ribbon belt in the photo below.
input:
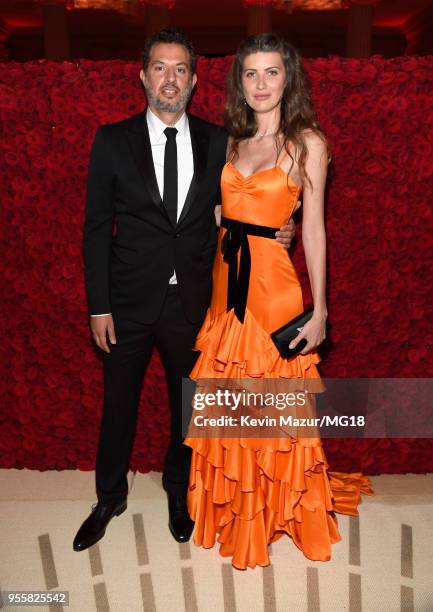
(234, 239)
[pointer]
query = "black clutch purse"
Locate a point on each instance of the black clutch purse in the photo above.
(283, 336)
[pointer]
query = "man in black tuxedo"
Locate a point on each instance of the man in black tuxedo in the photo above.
(156, 177)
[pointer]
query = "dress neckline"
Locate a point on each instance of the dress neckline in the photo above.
(257, 172)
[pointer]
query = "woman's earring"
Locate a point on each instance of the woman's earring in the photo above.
(245, 101)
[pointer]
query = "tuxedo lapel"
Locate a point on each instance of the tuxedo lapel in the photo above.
(139, 142)
(200, 146)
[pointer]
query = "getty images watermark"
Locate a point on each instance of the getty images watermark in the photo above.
(308, 408)
(238, 400)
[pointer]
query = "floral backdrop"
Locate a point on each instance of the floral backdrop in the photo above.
(378, 115)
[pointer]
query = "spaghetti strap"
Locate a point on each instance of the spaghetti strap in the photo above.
(282, 155)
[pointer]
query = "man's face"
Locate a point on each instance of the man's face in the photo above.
(168, 80)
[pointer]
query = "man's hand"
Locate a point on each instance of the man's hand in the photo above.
(287, 232)
(218, 215)
(100, 326)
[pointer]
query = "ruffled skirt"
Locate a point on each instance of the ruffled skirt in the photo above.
(246, 493)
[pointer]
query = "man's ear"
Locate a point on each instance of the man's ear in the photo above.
(142, 76)
(194, 80)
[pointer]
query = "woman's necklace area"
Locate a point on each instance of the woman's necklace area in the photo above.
(262, 134)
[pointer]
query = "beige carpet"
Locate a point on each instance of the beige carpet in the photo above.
(384, 562)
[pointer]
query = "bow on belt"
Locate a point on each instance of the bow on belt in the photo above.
(234, 239)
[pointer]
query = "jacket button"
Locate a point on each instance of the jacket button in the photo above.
(177, 235)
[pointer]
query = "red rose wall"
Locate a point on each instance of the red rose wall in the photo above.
(378, 115)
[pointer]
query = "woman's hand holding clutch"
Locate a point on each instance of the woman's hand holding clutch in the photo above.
(314, 331)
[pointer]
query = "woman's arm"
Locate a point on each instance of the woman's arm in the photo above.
(314, 239)
(313, 221)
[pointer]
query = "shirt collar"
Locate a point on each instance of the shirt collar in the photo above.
(157, 127)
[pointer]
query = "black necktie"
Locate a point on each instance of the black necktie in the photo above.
(170, 174)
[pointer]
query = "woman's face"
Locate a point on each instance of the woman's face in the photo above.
(263, 78)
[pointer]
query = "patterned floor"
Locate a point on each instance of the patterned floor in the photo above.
(384, 562)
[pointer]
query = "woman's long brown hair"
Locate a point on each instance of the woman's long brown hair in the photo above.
(297, 110)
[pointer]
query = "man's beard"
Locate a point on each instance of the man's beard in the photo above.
(168, 107)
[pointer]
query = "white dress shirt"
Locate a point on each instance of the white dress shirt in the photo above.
(185, 161)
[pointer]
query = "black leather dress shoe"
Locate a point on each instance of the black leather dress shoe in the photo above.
(180, 524)
(93, 528)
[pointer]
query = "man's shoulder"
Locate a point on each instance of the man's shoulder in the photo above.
(207, 126)
(132, 122)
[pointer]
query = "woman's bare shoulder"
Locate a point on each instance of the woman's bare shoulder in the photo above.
(313, 139)
(317, 147)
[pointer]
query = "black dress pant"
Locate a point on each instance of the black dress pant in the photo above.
(124, 370)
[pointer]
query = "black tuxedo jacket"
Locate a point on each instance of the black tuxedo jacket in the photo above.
(127, 271)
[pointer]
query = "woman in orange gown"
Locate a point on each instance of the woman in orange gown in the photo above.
(247, 492)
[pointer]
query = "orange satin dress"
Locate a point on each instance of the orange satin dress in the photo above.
(248, 492)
